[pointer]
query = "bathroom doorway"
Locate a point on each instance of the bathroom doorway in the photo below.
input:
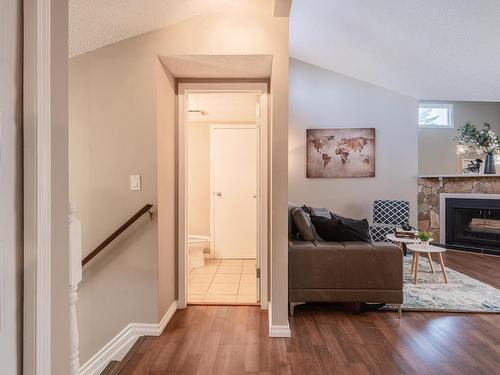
(223, 245)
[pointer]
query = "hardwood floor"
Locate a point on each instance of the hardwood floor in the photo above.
(328, 340)
(485, 268)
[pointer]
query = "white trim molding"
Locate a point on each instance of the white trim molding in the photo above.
(119, 345)
(184, 89)
(37, 187)
(442, 207)
(277, 330)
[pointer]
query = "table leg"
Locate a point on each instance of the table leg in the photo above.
(416, 267)
(412, 269)
(430, 262)
(442, 267)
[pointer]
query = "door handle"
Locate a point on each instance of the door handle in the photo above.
(219, 194)
(254, 196)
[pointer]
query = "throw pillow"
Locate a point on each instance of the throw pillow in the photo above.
(359, 228)
(303, 224)
(323, 212)
(331, 230)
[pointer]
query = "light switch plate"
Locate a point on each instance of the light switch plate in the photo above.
(135, 182)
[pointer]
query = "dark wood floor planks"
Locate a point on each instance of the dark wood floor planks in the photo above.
(485, 268)
(327, 339)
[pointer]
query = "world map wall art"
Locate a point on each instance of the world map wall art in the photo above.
(340, 153)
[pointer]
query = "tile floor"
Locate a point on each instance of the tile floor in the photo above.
(223, 281)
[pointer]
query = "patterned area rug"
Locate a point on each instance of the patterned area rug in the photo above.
(461, 294)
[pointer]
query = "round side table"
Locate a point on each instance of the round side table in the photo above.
(421, 248)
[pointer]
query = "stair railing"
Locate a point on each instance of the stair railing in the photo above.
(116, 233)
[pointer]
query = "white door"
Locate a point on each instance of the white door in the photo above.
(234, 188)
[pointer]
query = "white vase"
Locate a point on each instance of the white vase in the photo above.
(426, 243)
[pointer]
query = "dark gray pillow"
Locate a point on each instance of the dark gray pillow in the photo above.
(323, 212)
(304, 226)
(359, 228)
(332, 230)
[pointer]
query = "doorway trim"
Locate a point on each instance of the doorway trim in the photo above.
(183, 90)
(37, 196)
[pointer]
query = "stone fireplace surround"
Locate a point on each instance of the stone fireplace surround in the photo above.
(430, 189)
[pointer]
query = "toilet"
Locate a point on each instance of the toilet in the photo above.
(196, 245)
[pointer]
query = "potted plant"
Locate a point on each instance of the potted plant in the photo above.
(480, 140)
(424, 237)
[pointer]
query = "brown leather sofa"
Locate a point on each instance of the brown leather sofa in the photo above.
(356, 271)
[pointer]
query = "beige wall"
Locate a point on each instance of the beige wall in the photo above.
(116, 98)
(320, 98)
(11, 283)
(198, 144)
(437, 147)
(108, 143)
(166, 101)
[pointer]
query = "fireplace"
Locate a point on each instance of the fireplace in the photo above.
(472, 224)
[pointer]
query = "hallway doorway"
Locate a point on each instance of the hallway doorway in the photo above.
(223, 195)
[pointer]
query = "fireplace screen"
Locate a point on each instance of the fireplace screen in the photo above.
(473, 223)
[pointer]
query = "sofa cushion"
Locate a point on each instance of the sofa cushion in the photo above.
(304, 226)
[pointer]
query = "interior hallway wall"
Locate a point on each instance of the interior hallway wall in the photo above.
(11, 190)
(320, 98)
(437, 147)
(166, 141)
(115, 105)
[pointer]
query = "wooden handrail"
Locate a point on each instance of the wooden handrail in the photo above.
(116, 233)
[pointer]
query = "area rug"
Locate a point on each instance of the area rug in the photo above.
(461, 294)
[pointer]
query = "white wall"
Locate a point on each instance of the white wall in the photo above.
(11, 207)
(437, 147)
(220, 108)
(320, 98)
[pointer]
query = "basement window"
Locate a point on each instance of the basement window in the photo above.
(435, 115)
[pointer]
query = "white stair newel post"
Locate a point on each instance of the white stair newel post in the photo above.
(75, 276)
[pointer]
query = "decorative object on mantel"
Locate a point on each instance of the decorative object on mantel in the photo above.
(480, 141)
(471, 166)
(340, 153)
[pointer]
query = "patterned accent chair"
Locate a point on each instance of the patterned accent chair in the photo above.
(388, 215)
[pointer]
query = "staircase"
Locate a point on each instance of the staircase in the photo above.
(114, 367)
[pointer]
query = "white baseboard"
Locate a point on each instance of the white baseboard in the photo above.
(119, 345)
(277, 330)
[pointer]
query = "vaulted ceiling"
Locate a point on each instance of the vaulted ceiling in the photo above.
(429, 49)
(96, 23)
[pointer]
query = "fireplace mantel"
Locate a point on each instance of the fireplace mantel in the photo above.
(470, 175)
(441, 177)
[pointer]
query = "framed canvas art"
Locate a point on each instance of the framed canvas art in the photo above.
(337, 153)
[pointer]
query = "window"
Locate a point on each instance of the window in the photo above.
(435, 115)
